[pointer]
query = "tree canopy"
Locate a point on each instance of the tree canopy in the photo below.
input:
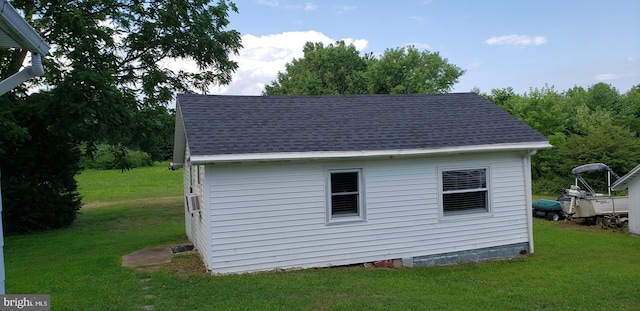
(409, 71)
(106, 81)
(339, 69)
(597, 124)
(323, 70)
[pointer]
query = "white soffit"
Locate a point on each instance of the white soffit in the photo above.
(6, 41)
(15, 32)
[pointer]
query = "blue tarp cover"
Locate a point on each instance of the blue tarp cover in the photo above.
(590, 167)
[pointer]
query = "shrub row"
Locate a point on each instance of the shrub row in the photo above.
(108, 158)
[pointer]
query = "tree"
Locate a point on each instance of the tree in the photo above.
(104, 83)
(409, 71)
(629, 109)
(584, 126)
(38, 185)
(546, 111)
(336, 69)
(604, 96)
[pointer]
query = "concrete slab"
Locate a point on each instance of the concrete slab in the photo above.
(146, 257)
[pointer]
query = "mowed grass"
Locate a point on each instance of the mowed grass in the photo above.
(574, 268)
(102, 186)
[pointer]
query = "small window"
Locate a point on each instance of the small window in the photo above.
(345, 195)
(464, 191)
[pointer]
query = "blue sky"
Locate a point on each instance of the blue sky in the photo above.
(518, 44)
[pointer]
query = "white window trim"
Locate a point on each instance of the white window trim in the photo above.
(361, 216)
(470, 214)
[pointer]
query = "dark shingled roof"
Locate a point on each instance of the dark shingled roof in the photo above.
(217, 125)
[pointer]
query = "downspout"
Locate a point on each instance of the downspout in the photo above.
(528, 196)
(36, 69)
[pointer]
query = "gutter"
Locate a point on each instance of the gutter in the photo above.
(315, 155)
(24, 37)
(20, 31)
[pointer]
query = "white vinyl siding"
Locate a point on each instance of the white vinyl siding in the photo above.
(186, 178)
(197, 224)
(273, 214)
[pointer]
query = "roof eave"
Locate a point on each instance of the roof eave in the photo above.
(20, 31)
(179, 140)
(279, 156)
(622, 183)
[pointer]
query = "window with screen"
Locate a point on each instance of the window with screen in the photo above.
(464, 191)
(345, 194)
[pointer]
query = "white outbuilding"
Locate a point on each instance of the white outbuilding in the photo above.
(275, 182)
(631, 181)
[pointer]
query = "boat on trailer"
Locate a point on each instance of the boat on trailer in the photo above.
(585, 202)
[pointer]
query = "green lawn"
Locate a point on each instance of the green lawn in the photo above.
(573, 268)
(137, 184)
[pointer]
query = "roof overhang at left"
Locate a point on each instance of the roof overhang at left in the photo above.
(179, 142)
(15, 32)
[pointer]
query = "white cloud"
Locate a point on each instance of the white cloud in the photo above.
(360, 44)
(631, 59)
(517, 40)
(262, 57)
(308, 6)
(268, 2)
(420, 46)
(607, 77)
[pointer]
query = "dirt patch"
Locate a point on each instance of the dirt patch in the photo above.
(180, 259)
(186, 264)
(145, 257)
(183, 264)
(580, 224)
(92, 205)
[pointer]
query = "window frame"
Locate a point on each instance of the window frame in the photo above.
(472, 212)
(361, 210)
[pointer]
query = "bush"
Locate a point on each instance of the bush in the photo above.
(115, 157)
(39, 191)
